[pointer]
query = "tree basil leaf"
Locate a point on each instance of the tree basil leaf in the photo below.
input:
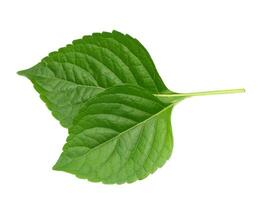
(121, 135)
(106, 90)
(66, 79)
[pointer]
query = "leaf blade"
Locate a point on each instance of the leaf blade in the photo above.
(101, 60)
(128, 154)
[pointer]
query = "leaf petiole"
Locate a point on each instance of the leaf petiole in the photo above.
(176, 97)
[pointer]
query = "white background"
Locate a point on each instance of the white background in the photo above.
(220, 141)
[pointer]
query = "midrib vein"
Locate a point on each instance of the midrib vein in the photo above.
(129, 129)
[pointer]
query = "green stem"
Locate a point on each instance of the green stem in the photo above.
(176, 97)
(213, 92)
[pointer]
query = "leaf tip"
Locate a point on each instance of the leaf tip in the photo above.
(62, 163)
(21, 72)
(57, 166)
(24, 72)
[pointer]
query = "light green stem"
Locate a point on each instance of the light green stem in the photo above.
(176, 97)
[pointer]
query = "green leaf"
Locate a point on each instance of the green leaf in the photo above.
(66, 79)
(106, 90)
(121, 135)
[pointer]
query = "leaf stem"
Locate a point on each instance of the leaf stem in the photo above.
(176, 97)
(213, 92)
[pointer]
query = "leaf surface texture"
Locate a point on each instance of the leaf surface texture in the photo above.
(67, 78)
(121, 135)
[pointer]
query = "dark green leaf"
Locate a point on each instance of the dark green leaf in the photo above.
(67, 78)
